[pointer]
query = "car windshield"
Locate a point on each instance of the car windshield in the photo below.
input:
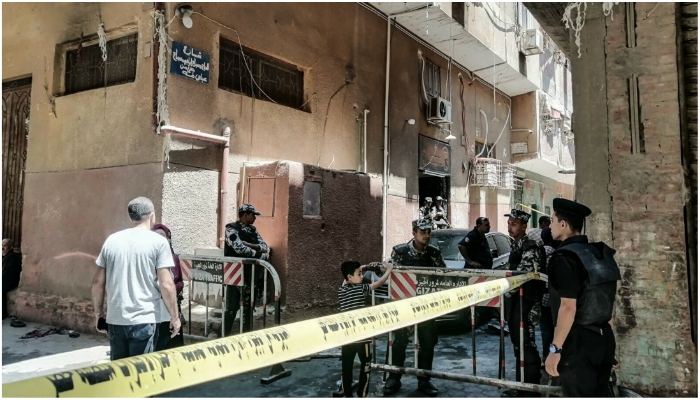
(448, 245)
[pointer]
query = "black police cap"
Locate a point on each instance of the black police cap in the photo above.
(571, 208)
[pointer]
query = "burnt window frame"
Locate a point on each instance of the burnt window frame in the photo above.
(256, 62)
(127, 36)
(432, 81)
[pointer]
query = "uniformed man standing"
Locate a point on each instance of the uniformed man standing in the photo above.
(582, 284)
(243, 240)
(475, 248)
(525, 255)
(439, 214)
(425, 211)
(419, 253)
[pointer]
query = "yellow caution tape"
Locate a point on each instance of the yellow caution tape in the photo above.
(168, 370)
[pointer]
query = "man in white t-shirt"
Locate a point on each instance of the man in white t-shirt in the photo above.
(134, 276)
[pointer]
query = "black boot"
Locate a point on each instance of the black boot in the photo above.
(428, 388)
(392, 386)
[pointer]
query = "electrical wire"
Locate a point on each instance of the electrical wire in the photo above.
(245, 61)
(325, 122)
(486, 140)
(488, 154)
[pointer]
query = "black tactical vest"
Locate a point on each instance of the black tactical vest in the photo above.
(595, 303)
(534, 289)
(249, 237)
(424, 259)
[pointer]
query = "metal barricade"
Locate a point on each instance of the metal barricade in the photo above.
(409, 281)
(229, 271)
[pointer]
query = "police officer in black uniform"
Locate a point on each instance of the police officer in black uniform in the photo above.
(528, 256)
(582, 284)
(243, 240)
(417, 253)
(475, 248)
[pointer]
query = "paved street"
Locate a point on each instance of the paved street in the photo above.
(318, 377)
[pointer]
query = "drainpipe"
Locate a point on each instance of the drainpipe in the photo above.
(154, 56)
(385, 188)
(223, 175)
(364, 140)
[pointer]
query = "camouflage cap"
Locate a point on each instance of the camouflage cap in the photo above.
(247, 208)
(438, 198)
(422, 224)
(518, 214)
(429, 199)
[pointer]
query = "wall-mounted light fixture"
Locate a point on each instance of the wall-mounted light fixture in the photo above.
(184, 12)
(411, 121)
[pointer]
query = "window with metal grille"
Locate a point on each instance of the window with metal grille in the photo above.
(432, 79)
(276, 80)
(85, 69)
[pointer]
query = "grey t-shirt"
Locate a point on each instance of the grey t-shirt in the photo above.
(131, 258)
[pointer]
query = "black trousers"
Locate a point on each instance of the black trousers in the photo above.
(427, 339)
(532, 356)
(233, 303)
(163, 339)
(546, 330)
(10, 281)
(348, 353)
(586, 361)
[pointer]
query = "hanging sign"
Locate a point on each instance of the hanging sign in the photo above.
(190, 63)
(433, 156)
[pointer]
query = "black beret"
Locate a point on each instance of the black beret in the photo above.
(571, 208)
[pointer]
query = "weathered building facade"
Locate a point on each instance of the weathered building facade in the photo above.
(635, 92)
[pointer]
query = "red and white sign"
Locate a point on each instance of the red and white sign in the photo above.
(403, 285)
(233, 274)
(406, 285)
(186, 269)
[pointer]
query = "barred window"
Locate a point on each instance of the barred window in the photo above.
(282, 82)
(432, 79)
(85, 69)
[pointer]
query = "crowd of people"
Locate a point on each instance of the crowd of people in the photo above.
(573, 307)
(138, 279)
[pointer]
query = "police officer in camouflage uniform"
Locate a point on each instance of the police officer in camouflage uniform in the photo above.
(417, 252)
(439, 214)
(243, 240)
(425, 211)
(583, 283)
(525, 255)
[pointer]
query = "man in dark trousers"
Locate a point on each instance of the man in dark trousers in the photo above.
(582, 284)
(419, 253)
(243, 240)
(525, 255)
(11, 271)
(475, 248)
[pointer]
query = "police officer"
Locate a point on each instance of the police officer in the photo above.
(425, 211)
(439, 214)
(525, 255)
(243, 240)
(475, 248)
(582, 284)
(419, 253)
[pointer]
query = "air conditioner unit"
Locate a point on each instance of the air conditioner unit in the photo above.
(439, 111)
(532, 42)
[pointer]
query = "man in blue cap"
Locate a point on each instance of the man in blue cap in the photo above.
(582, 284)
(418, 252)
(528, 256)
(243, 240)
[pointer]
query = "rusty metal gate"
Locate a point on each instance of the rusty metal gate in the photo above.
(15, 130)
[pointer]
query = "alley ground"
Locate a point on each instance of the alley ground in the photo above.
(314, 377)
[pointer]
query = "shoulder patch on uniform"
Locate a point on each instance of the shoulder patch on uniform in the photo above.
(401, 248)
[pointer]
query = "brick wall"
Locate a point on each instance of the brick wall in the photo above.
(653, 322)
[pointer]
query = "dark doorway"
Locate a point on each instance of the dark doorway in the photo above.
(15, 130)
(433, 186)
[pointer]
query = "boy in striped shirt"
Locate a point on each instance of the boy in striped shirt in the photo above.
(352, 295)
